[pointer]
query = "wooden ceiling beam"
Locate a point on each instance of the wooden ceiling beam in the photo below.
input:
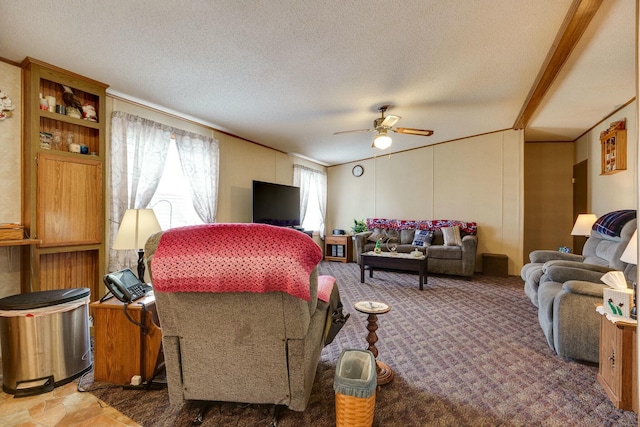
(575, 23)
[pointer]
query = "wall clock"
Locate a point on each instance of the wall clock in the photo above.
(357, 171)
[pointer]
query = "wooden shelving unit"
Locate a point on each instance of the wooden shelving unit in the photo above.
(614, 151)
(63, 190)
(20, 242)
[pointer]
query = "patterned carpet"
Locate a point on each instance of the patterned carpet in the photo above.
(464, 353)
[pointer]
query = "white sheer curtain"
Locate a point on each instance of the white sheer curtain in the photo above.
(311, 181)
(139, 149)
(138, 152)
(200, 158)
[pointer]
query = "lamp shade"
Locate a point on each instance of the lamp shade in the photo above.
(583, 225)
(136, 227)
(630, 254)
(382, 141)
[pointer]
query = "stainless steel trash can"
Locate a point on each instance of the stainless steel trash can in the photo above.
(45, 339)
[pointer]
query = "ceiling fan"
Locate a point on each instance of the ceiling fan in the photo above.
(382, 125)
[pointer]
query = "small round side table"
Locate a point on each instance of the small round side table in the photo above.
(373, 308)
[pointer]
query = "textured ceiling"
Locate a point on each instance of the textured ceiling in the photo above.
(287, 74)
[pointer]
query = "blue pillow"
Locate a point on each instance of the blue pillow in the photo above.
(422, 238)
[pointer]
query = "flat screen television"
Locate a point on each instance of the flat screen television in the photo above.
(276, 204)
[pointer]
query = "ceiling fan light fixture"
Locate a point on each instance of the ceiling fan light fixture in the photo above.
(382, 141)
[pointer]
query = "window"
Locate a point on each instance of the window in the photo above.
(140, 148)
(312, 219)
(172, 201)
(313, 196)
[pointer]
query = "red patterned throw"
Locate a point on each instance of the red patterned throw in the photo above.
(235, 258)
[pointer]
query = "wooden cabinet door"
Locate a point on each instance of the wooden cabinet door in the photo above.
(618, 371)
(69, 200)
(610, 360)
(120, 349)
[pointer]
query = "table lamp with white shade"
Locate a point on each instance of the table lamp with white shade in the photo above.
(583, 225)
(136, 227)
(582, 229)
(630, 256)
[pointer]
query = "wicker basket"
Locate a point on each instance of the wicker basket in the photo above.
(355, 384)
(11, 233)
(354, 411)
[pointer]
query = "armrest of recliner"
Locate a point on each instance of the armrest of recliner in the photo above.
(582, 287)
(561, 273)
(576, 323)
(578, 264)
(573, 264)
(542, 256)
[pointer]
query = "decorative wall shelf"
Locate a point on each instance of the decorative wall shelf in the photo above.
(614, 151)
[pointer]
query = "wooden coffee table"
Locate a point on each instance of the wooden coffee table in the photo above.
(388, 260)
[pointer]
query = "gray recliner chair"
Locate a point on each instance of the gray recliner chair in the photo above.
(242, 342)
(532, 272)
(601, 252)
(566, 289)
(567, 312)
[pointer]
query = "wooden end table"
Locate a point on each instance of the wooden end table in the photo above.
(121, 348)
(617, 368)
(373, 308)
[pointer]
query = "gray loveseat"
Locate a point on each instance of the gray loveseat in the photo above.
(566, 289)
(443, 259)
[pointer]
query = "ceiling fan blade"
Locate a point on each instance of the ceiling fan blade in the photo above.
(357, 130)
(411, 131)
(390, 121)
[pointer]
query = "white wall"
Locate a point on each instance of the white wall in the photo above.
(620, 190)
(474, 179)
(10, 178)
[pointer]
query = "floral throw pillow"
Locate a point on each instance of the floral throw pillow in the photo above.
(451, 236)
(422, 238)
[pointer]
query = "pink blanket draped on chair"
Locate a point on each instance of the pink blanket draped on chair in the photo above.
(325, 286)
(235, 258)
